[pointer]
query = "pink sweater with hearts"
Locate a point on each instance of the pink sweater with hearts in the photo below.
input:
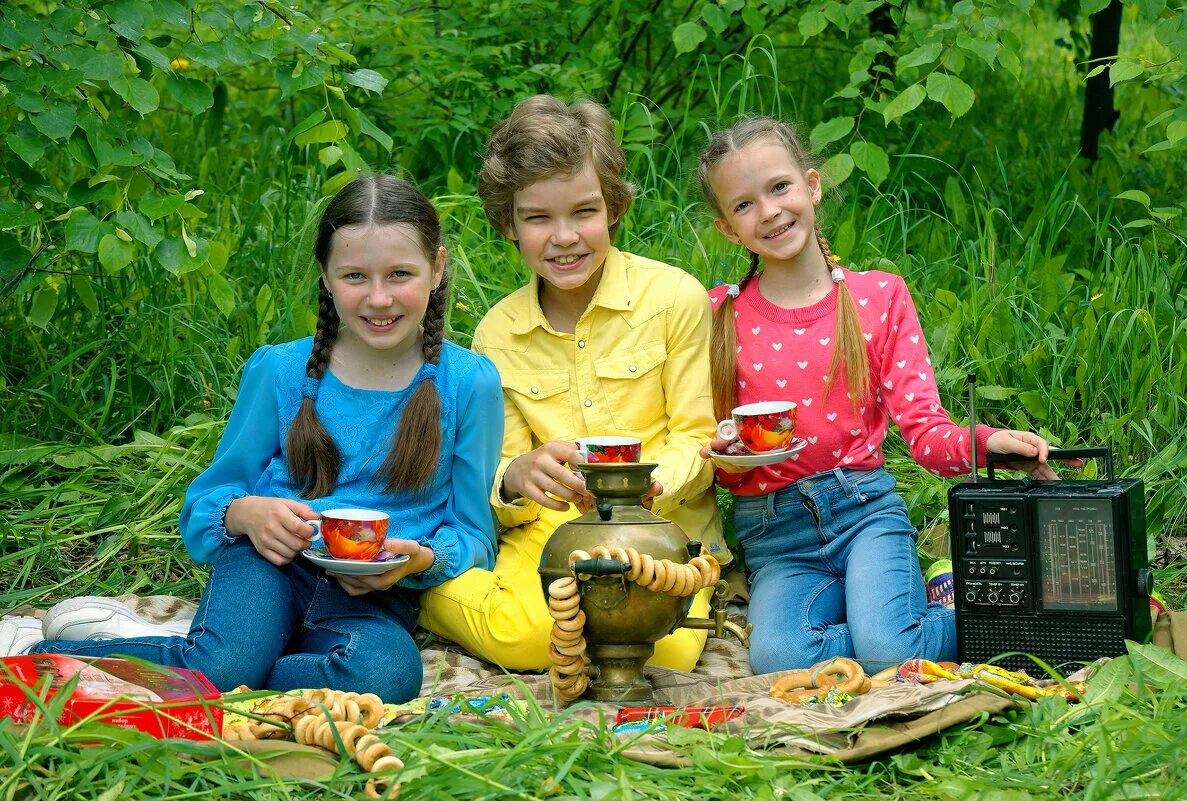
(785, 354)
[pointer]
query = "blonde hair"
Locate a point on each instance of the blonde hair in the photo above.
(543, 137)
(849, 355)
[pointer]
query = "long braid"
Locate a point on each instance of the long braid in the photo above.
(723, 349)
(411, 463)
(849, 354)
(313, 458)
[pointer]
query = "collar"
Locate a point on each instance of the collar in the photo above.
(613, 293)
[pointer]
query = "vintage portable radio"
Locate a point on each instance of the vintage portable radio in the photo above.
(1056, 569)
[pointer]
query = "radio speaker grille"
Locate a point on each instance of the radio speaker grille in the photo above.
(1054, 641)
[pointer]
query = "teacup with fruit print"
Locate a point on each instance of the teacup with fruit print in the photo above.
(761, 427)
(356, 534)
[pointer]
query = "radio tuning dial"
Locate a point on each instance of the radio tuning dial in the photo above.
(970, 596)
(1015, 597)
(993, 597)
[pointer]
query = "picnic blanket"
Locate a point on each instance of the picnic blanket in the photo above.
(868, 725)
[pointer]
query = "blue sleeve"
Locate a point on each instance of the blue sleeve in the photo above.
(467, 536)
(250, 440)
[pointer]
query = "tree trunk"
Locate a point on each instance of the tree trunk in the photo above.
(1099, 113)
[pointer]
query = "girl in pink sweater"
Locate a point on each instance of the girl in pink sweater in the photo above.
(829, 548)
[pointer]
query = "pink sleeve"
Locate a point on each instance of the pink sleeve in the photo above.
(907, 384)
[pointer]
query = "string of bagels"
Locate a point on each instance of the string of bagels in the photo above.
(327, 719)
(569, 673)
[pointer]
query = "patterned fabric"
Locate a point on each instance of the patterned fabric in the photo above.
(785, 354)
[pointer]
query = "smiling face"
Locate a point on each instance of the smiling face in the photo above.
(768, 203)
(562, 227)
(381, 278)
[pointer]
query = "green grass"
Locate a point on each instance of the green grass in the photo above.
(1024, 267)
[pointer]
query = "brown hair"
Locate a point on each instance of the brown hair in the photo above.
(543, 137)
(850, 354)
(411, 462)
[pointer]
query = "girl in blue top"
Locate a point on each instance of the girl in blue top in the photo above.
(374, 411)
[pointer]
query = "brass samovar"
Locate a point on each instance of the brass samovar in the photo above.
(623, 620)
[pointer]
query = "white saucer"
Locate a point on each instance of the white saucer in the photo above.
(350, 567)
(760, 459)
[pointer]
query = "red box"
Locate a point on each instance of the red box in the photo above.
(690, 717)
(164, 702)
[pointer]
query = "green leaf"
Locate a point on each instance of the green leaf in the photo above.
(830, 131)
(985, 49)
(1089, 7)
(714, 17)
(103, 66)
(29, 148)
(1036, 404)
(83, 232)
(838, 168)
(156, 207)
(688, 36)
(956, 95)
(996, 393)
(811, 23)
(13, 215)
(329, 155)
(57, 122)
(1110, 679)
(872, 160)
(221, 293)
(296, 77)
(370, 129)
(138, 93)
(1136, 195)
(1159, 664)
(193, 94)
(370, 80)
(45, 300)
(86, 292)
(1123, 71)
(114, 253)
(329, 131)
(139, 227)
(908, 101)
(1177, 131)
(921, 55)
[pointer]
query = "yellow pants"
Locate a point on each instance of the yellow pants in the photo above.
(501, 615)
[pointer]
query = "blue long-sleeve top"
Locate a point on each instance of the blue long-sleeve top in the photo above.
(453, 517)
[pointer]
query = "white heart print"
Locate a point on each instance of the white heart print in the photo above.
(910, 396)
(807, 401)
(831, 416)
(781, 383)
(756, 329)
(812, 440)
(888, 384)
(901, 364)
(863, 301)
(868, 337)
(777, 345)
(854, 431)
(825, 341)
(837, 453)
(757, 367)
(914, 339)
(799, 332)
(884, 284)
(802, 365)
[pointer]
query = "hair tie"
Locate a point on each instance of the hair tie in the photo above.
(838, 275)
(428, 371)
(732, 290)
(309, 387)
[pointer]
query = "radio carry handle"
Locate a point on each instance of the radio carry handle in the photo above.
(1098, 452)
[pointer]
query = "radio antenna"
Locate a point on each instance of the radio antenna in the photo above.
(972, 382)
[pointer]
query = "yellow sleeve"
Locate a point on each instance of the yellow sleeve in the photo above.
(688, 399)
(517, 440)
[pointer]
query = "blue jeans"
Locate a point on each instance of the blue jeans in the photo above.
(284, 628)
(834, 572)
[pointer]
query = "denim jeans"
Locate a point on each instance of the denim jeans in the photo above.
(284, 628)
(834, 572)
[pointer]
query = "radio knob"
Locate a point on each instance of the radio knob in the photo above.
(1145, 583)
(970, 596)
(993, 596)
(1015, 598)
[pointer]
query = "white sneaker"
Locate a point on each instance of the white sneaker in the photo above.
(18, 634)
(96, 618)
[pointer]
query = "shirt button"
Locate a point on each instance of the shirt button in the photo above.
(581, 343)
(588, 403)
(633, 368)
(535, 390)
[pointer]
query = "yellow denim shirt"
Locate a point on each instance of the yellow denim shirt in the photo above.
(637, 365)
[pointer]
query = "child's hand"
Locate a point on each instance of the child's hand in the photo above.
(718, 445)
(275, 526)
(541, 474)
(1032, 446)
(420, 559)
(654, 492)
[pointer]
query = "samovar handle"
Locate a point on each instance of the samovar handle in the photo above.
(605, 510)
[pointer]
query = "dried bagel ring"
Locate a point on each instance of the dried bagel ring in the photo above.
(684, 582)
(846, 675)
(564, 606)
(661, 575)
(562, 637)
(562, 587)
(571, 624)
(646, 569)
(577, 649)
(636, 561)
(793, 680)
(569, 668)
(705, 569)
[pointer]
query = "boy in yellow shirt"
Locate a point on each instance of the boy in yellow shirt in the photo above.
(599, 342)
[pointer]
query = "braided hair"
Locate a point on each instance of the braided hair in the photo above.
(411, 462)
(849, 355)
